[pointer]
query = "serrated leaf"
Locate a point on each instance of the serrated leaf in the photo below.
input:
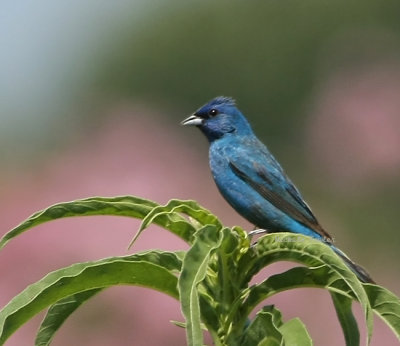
(123, 206)
(129, 206)
(295, 333)
(386, 305)
(346, 318)
(194, 269)
(264, 329)
(290, 279)
(58, 313)
(200, 215)
(310, 252)
(383, 302)
(153, 269)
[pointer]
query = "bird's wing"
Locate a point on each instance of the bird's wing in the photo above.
(263, 173)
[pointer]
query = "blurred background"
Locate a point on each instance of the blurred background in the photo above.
(91, 96)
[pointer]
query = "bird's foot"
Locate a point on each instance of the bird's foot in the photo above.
(257, 231)
(254, 232)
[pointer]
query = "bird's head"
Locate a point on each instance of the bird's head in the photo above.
(218, 118)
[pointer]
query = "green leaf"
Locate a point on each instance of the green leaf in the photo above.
(123, 206)
(346, 318)
(264, 329)
(268, 329)
(213, 284)
(312, 253)
(194, 269)
(386, 305)
(129, 206)
(58, 313)
(295, 333)
(200, 215)
(153, 269)
(290, 279)
(183, 324)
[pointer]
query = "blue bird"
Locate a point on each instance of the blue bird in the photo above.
(252, 181)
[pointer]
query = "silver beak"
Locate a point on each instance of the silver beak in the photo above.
(192, 120)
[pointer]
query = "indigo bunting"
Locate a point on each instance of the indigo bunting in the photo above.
(252, 181)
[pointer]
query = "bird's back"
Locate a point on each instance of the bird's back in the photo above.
(254, 183)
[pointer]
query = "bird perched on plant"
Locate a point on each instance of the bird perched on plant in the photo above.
(250, 178)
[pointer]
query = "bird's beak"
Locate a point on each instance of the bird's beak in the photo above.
(192, 120)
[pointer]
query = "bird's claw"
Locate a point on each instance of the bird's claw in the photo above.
(257, 231)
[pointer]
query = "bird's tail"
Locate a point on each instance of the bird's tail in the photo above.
(361, 273)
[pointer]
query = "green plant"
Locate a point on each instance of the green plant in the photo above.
(211, 279)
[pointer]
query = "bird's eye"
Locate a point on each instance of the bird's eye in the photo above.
(213, 112)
